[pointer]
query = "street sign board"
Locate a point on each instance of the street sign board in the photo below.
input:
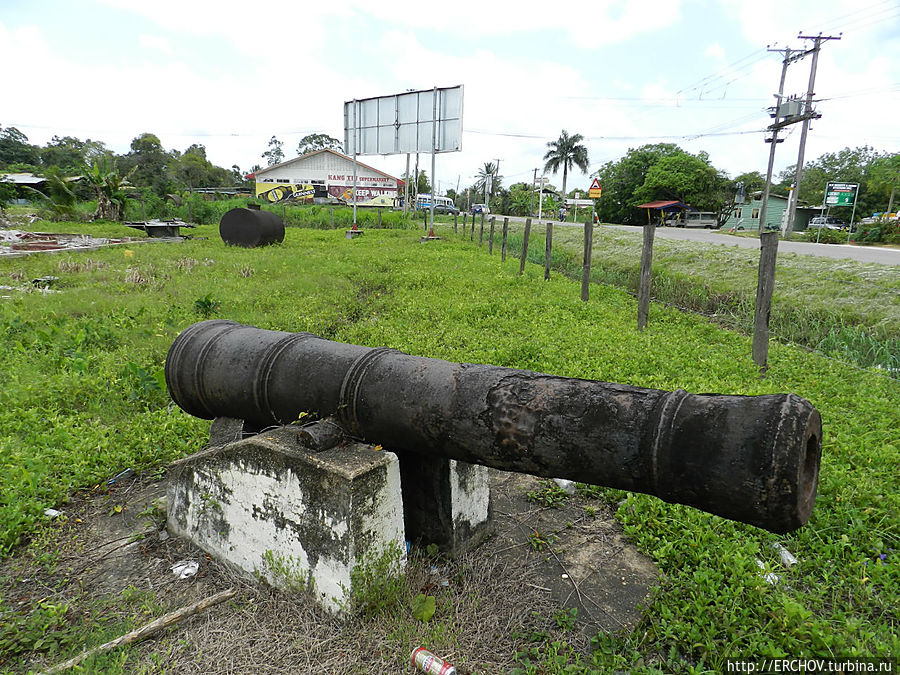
(595, 191)
(429, 120)
(840, 194)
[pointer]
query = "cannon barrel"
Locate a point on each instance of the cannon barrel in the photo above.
(753, 459)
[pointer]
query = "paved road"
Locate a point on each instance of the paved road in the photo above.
(872, 254)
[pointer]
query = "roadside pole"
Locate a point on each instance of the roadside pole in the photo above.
(644, 280)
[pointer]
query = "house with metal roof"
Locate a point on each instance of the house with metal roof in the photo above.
(746, 216)
(322, 176)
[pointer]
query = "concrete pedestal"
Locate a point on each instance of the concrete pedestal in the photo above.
(445, 502)
(297, 518)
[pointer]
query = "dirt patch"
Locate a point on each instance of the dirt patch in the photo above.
(109, 561)
(575, 551)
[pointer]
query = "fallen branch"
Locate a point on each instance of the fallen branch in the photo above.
(147, 630)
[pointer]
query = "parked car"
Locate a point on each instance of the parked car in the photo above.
(827, 222)
(444, 208)
(480, 208)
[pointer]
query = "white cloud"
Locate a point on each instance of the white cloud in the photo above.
(156, 43)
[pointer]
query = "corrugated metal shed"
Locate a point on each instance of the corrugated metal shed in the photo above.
(22, 178)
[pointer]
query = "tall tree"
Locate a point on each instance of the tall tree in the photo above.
(623, 178)
(15, 149)
(149, 165)
(683, 177)
(275, 154)
(67, 153)
(313, 142)
(884, 178)
(566, 152)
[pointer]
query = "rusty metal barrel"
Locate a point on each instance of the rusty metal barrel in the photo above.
(753, 459)
(251, 228)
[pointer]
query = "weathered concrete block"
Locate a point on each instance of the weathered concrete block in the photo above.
(297, 518)
(445, 502)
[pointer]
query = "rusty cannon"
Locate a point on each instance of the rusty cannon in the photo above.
(753, 459)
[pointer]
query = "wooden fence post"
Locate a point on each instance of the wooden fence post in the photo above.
(505, 234)
(524, 258)
(472, 234)
(455, 216)
(491, 238)
(548, 246)
(481, 231)
(644, 281)
(379, 218)
(586, 266)
(768, 250)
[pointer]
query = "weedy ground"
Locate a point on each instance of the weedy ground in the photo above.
(82, 399)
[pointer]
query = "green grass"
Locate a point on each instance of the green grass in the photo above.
(81, 402)
(837, 306)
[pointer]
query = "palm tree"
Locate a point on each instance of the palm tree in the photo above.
(489, 169)
(566, 151)
(109, 186)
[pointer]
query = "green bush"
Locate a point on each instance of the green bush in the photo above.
(886, 231)
(824, 236)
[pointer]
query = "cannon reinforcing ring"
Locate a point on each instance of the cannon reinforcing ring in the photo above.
(266, 364)
(347, 398)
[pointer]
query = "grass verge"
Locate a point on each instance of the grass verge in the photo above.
(81, 401)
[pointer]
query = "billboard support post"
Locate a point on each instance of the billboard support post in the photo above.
(355, 148)
(853, 213)
(434, 114)
(406, 187)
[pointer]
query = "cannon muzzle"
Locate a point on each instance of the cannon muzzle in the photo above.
(753, 459)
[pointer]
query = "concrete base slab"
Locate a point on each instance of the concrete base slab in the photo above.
(299, 519)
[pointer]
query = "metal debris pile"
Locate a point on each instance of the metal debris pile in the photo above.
(17, 242)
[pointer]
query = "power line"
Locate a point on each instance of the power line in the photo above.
(727, 71)
(865, 16)
(619, 138)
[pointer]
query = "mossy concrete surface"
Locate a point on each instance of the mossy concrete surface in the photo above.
(293, 517)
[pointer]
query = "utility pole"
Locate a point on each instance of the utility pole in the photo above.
(808, 114)
(497, 175)
(531, 198)
(786, 113)
(541, 198)
(774, 140)
(768, 241)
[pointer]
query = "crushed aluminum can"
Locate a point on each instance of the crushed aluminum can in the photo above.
(427, 662)
(787, 558)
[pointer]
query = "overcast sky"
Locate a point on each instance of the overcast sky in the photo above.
(622, 73)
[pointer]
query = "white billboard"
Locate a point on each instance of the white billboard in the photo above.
(415, 121)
